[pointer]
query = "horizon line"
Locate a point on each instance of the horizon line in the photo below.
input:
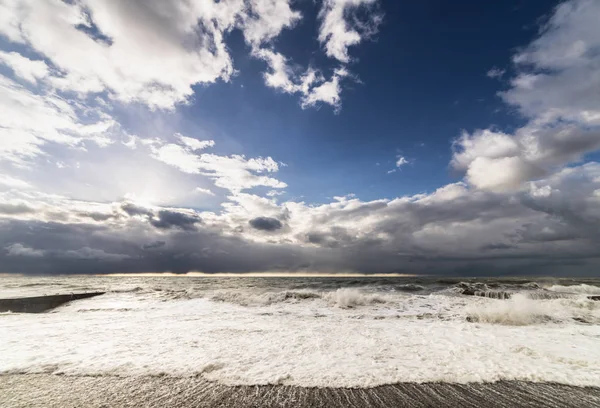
(259, 274)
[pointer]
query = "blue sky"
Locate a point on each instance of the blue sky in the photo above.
(422, 80)
(330, 135)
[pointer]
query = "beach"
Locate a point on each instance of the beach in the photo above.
(51, 391)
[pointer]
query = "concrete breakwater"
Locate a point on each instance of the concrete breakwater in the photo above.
(39, 304)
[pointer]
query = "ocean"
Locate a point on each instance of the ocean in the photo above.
(334, 333)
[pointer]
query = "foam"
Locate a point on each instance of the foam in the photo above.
(349, 298)
(522, 310)
(318, 342)
(582, 289)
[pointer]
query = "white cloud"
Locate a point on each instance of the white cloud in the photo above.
(327, 92)
(25, 68)
(235, 172)
(195, 144)
(280, 75)
(401, 161)
(206, 191)
(340, 29)
(496, 73)
(556, 88)
(266, 19)
(147, 57)
(31, 120)
(12, 182)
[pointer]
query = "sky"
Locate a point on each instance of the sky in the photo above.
(332, 136)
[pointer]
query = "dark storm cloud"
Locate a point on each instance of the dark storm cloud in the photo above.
(96, 216)
(550, 229)
(12, 209)
(266, 223)
(493, 247)
(154, 245)
(133, 210)
(172, 219)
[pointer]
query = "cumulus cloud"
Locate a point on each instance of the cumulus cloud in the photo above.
(556, 87)
(147, 55)
(340, 27)
(234, 173)
(555, 219)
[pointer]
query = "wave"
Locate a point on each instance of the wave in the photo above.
(244, 298)
(129, 290)
(409, 287)
(581, 289)
(521, 310)
(345, 298)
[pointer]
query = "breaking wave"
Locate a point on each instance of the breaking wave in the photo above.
(347, 298)
(244, 298)
(521, 310)
(581, 289)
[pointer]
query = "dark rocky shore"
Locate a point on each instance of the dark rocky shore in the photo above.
(53, 391)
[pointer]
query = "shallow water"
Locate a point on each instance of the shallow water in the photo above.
(309, 332)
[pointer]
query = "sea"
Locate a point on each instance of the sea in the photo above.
(351, 332)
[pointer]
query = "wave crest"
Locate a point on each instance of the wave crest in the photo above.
(521, 310)
(347, 298)
(580, 289)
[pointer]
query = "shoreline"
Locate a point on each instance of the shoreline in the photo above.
(48, 390)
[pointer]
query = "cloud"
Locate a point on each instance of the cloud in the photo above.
(206, 191)
(341, 28)
(556, 88)
(86, 253)
(235, 172)
(265, 223)
(554, 220)
(172, 219)
(195, 144)
(401, 161)
(154, 245)
(23, 67)
(266, 19)
(327, 92)
(21, 250)
(147, 57)
(496, 73)
(12, 182)
(12, 209)
(30, 121)
(527, 203)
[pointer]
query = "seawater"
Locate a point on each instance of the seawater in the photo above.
(317, 332)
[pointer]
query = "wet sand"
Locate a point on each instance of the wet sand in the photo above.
(53, 391)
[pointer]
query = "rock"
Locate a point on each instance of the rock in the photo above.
(596, 298)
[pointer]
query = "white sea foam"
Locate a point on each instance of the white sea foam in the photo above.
(583, 289)
(521, 310)
(318, 342)
(349, 298)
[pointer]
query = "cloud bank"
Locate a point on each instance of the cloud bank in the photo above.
(529, 201)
